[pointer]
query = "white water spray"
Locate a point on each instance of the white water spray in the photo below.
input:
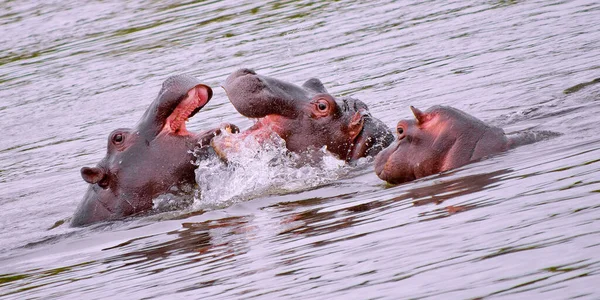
(260, 168)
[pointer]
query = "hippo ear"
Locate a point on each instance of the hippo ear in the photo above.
(356, 124)
(92, 175)
(315, 86)
(419, 115)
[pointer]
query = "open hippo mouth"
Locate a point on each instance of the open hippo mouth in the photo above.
(148, 160)
(179, 103)
(195, 100)
(306, 117)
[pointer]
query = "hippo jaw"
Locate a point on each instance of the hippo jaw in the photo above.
(146, 161)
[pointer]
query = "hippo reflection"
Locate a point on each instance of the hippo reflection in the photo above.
(150, 159)
(307, 117)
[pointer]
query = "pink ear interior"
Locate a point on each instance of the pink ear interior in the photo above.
(92, 175)
(356, 123)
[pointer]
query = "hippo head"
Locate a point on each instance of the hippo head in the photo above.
(437, 140)
(307, 117)
(148, 160)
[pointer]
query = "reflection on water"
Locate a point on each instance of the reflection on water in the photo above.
(522, 224)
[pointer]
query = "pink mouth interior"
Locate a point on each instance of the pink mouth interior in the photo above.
(261, 132)
(175, 124)
(267, 125)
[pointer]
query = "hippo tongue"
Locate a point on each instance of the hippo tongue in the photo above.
(196, 98)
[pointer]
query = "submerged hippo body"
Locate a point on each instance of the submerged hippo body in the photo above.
(440, 139)
(148, 160)
(307, 117)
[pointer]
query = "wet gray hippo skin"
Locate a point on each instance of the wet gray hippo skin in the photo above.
(306, 117)
(149, 159)
(440, 139)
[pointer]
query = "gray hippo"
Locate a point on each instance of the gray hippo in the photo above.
(149, 159)
(307, 117)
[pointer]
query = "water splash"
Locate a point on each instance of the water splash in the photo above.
(261, 168)
(178, 197)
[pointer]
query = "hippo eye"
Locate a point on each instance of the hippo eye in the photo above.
(322, 106)
(118, 138)
(401, 130)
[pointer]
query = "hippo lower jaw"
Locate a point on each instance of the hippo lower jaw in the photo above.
(359, 147)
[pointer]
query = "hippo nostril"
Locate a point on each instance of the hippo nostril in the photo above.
(95, 175)
(247, 71)
(104, 182)
(92, 175)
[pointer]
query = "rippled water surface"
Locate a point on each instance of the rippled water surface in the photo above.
(520, 225)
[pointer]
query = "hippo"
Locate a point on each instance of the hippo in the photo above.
(440, 139)
(154, 157)
(306, 117)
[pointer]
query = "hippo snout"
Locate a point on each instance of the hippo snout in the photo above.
(235, 75)
(245, 71)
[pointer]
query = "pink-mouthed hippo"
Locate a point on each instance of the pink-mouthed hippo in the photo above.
(440, 139)
(307, 117)
(150, 159)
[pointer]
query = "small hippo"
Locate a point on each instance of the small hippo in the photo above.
(150, 159)
(307, 117)
(440, 139)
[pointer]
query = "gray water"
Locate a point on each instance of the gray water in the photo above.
(521, 225)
